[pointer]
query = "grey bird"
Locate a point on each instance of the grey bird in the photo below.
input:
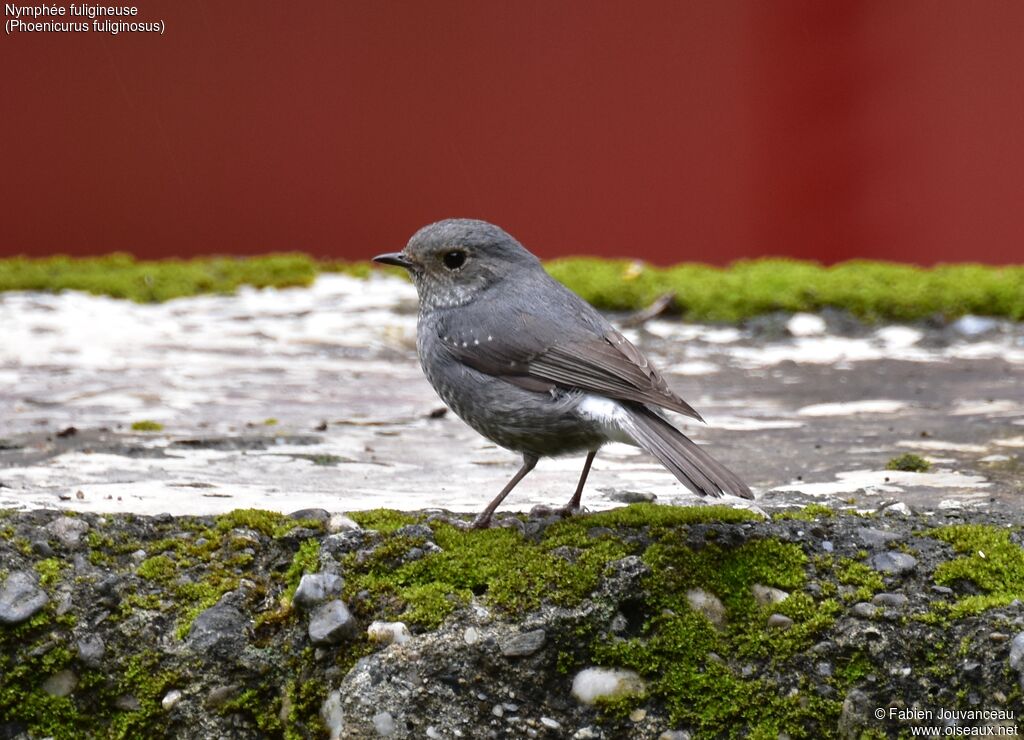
(533, 367)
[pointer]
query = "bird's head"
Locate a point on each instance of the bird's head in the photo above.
(452, 261)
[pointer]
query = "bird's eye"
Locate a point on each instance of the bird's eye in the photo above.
(455, 259)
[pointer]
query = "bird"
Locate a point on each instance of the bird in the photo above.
(533, 367)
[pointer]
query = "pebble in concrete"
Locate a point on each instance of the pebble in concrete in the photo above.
(389, 633)
(20, 598)
(887, 599)
(340, 523)
(220, 627)
(61, 683)
(91, 651)
(171, 698)
(331, 623)
(1017, 653)
(873, 538)
(384, 724)
(864, 610)
(550, 723)
(592, 684)
(68, 530)
(707, 604)
(896, 563)
(765, 595)
(333, 716)
(523, 644)
(316, 588)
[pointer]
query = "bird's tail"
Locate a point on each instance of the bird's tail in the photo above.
(694, 468)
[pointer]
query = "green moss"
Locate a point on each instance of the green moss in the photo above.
(199, 596)
(49, 571)
(270, 422)
(867, 580)
(675, 651)
(131, 602)
(306, 560)
(809, 513)
(616, 285)
(142, 677)
(909, 462)
(870, 290)
(657, 515)
(181, 577)
(269, 523)
(427, 604)
(100, 546)
(192, 574)
(122, 276)
(146, 425)
(426, 591)
(358, 269)
(384, 521)
(305, 698)
(254, 703)
(854, 669)
(990, 560)
(157, 568)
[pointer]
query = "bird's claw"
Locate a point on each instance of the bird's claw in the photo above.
(542, 511)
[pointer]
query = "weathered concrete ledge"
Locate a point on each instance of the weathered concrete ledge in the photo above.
(646, 621)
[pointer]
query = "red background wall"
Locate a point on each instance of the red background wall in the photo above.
(663, 129)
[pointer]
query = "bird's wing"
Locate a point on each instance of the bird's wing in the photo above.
(528, 351)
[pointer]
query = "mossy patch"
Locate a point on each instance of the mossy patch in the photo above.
(738, 679)
(990, 560)
(146, 281)
(866, 580)
(425, 591)
(678, 650)
(94, 710)
(384, 521)
(809, 513)
(306, 560)
(870, 290)
(657, 515)
(189, 564)
(910, 463)
(270, 523)
(49, 571)
(676, 647)
(563, 566)
(145, 425)
(158, 568)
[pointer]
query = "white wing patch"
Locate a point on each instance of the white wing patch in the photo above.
(606, 412)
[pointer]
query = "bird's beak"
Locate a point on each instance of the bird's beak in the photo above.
(394, 258)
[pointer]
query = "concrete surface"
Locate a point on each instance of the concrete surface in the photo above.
(804, 408)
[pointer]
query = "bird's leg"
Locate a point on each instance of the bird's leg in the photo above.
(573, 507)
(484, 520)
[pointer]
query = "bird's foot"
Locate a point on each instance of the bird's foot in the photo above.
(541, 511)
(453, 520)
(482, 521)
